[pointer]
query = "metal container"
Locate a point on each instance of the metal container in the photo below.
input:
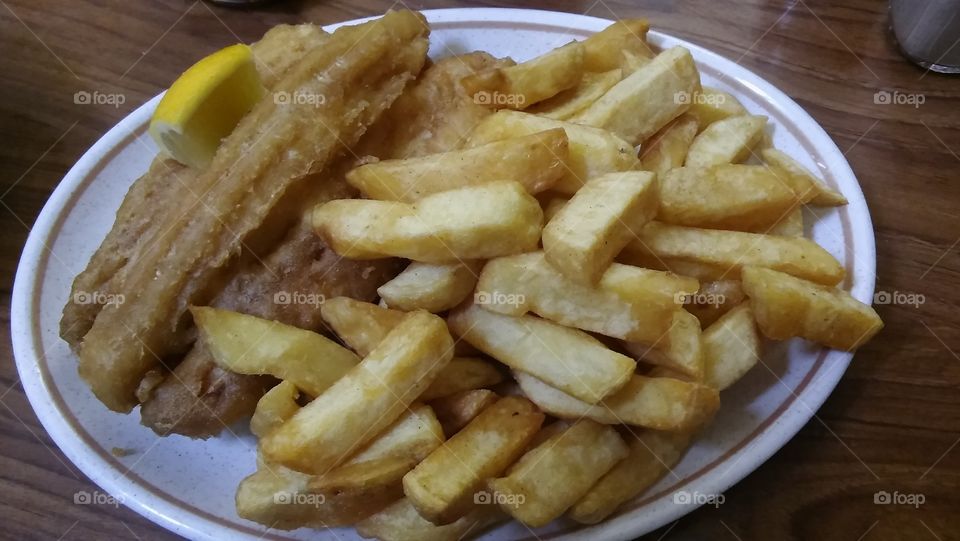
(928, 32)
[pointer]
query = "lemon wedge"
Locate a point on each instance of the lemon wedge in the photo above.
(205, 103)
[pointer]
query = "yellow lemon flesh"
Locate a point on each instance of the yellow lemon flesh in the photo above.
(205, 104)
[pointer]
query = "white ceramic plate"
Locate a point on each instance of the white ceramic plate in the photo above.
(188, 486)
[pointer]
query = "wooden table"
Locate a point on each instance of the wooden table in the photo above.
(893, 422)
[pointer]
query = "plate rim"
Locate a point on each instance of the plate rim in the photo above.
(787, 423)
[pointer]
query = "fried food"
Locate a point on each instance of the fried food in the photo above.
(628, 302)
(712, 105)
(680, 348)
(159, 192)
(431, 287)
(823, 194)
(668, 148)
(434, 115)
(726, 141)
(593, 152)
(274, 408)
(522, 85)
(442, 488)
(401, 522)
(623, 44)
(652, 454)
(456, 410)
(652, 402)
(366, 400)
(552, 476)
(734, 197)
(733, 250)
(476, 222)
(250, 345)
(573, 100)
(282, 47)
(537, 161)
(286, 499)
(199, 398)
(786, 306)
(127, 341)
(568, 358)
(589, 231)
(731, 347)
(648, 99)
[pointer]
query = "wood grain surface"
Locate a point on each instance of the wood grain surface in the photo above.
(892, 424)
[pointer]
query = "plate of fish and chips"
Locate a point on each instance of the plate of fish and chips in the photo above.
(470, 273)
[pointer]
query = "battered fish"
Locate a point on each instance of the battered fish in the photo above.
(356, 75)
(199, 399)
(160, 192)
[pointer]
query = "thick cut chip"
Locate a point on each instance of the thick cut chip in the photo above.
(593, 152)
(361, 325)
(536, 161)
(648, 99)
(731, 347)
(554, 475)
(619, 45)
(527, 83)
(401, 522)
(250, 345)
(660, 403)
(790, 225)
(456, 410)
(667, 149)
(652, 454)
(570, 359)
(478, 222)
(572, 101)
(274, 408)
(733, 250)
(735, 197)
(282, 498)
(413, 436)
(711, 105)
(823, 194)
(786, 306)
(680, 348)
(713, 299)
(633, 307)
(366, 400)
(445, 485)
(604, 216)
(462, 374)
(431, 287)
(552, 207)
(726, 141)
